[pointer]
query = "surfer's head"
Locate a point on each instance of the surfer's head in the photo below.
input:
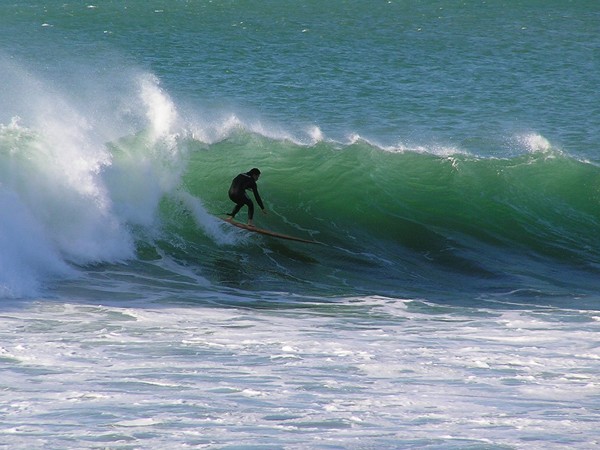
(254, 173)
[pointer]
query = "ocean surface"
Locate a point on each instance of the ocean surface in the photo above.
(444, 154)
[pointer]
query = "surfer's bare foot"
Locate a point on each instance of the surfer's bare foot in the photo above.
(250, 223)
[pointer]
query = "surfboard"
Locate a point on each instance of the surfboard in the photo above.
(269, 232)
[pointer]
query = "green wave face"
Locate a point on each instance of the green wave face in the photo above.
(393, 221)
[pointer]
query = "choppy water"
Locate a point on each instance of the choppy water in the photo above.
(443, 153)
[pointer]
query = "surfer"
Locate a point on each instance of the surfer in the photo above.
(237, 194)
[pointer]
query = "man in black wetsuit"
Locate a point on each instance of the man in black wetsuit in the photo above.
(237, 194)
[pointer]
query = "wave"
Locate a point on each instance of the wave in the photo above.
(71, 191)
(80, 188)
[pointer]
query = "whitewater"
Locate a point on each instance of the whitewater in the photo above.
(445, 155)
(237, 372)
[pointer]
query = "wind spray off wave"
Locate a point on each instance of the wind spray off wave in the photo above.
(70, 193)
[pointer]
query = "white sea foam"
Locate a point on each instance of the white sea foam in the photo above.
(374, 369)
(67, 196)
(216, 126)
(28, 255)
(431, 149)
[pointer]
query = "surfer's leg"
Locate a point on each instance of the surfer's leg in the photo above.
(236, 209)
(239, 202)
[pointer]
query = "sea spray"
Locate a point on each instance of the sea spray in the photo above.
(211, 225)
(149, 163)
(52, 176)
(28, 254)
(69, 193)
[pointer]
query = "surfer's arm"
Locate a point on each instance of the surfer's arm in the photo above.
(258, 199)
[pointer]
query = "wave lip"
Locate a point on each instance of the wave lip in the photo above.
(71, 194)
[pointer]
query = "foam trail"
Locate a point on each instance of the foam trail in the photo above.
(210, 224)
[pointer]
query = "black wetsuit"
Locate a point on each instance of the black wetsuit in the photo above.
(237, 194)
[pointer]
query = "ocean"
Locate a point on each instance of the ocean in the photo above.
(444, 154)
